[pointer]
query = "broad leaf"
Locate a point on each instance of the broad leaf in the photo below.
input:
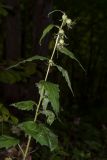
(29, 60)
(50, 116)
(65, 75)
(7, 141)
(24, 105)
(71, 55)
(41, 134)
(46, 30)
(52, 91)
(45, 103)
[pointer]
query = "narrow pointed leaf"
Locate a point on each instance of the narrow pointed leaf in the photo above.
(46, 30)
(24, 105)
(7, 141)
(52, 91)
(71, 55)
(29, 60)
(36, 58)
(41, 134)
(65, 75)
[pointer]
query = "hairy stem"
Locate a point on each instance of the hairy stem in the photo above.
(41, 97)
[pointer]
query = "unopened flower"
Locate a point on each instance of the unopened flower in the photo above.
(61, 32)
(64, 18)
(60, 43)
(51, 62)
(69, 23)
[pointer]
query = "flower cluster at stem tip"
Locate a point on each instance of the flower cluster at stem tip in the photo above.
(66, 21)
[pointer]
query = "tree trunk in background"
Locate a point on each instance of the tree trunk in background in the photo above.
(13, 30)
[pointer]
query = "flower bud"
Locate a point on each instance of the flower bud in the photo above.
(68, 21)
(64, 17)
(61, 31)
(50, 62)
(61, 41)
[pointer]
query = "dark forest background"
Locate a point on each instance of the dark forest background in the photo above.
(83, 131)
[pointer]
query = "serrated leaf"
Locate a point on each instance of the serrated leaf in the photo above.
(24, 105)
(52, 93)
(50, 116)
(40, 88)
(45, 103)
(71, 55)
(46, 30)
(29, 60)
(41, 134)
(65, 75)
(7, 141)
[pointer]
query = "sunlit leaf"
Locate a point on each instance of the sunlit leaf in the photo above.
(65, 75)
(71, 55)
(24, 105)
(52, 93)
(40, 133)
(7, 141)
(46, 30)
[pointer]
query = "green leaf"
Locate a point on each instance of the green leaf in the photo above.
(52, 91)
(50, 116)
(40, 133)
(46, 30)
(71, 55)
(3, 11)
(65, 75)
(8, 77)
(29, 60)
(4, 112)
(45, 102)
(7, 141)
(14, 119)
(24, 105)
(36, 58)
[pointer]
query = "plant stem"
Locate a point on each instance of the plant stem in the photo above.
(41, 97)
(27, 148)
(21, 149)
